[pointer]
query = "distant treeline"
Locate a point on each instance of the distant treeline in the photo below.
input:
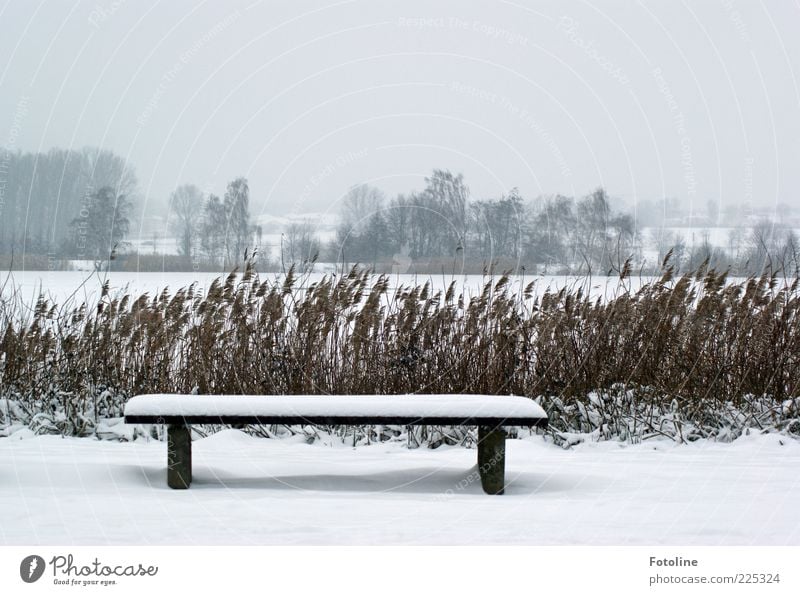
(66, 206)
(79, 205)
(441, 229)
(64, 202)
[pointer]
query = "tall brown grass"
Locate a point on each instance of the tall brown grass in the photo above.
(687, 357)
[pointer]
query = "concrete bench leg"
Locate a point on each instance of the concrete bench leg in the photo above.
(492, 458)
(179, 457)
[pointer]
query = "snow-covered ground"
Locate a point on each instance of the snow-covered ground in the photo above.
(257, 491)
(83, 286)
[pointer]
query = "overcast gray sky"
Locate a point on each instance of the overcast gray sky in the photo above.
(697, 100)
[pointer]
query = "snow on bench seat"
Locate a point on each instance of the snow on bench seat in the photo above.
(490, 410)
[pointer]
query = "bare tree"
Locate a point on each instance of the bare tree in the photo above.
(186, 208)
(239, 232)
(792, 253)
(102, 227)
(213, 229)
(551, 232)
(766, 246)
(359, 204)
(301, 245)
(497, 226)
(449, 196)
(105, 168)
(592, 239)
(358, 210)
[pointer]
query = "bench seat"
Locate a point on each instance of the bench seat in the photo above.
(489, 412)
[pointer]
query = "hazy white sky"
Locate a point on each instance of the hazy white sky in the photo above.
(697, 100)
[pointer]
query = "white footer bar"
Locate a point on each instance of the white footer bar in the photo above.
(387, 570)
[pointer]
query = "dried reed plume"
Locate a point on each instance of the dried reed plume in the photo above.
(688, 357)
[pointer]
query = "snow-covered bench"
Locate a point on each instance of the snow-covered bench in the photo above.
(489, 412)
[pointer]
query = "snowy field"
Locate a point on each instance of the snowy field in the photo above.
(257, 491)
(83, 286)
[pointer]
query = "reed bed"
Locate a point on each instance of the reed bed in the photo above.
(687, 357)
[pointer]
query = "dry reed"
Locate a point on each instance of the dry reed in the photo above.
(687, 357)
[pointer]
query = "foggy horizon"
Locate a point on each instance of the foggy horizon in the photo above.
(694, 102)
